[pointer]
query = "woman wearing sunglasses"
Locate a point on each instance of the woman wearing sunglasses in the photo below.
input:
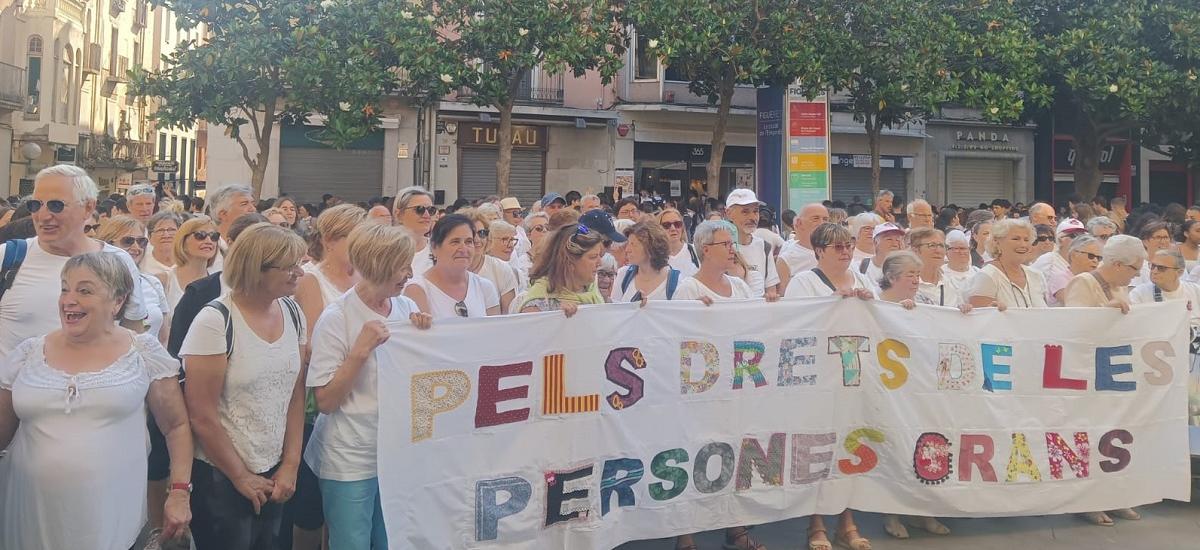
(129, 235)
(564, 276)
(195, 250)
(683, 254)
(415, 211)
(448, 289)
(834, 247)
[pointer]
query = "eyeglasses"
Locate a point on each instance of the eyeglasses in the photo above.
(483, 233)
(538, 229)
(1043, 239)
(672, 225)
(460, 309)
(839, 247)
(1092, 257)
(127, 242)
(423, 210)
(726, 244)
(1158, 268)
(91, 227)
(932, 245)
(55, 206)
(958, 249)
(164, 231)
(213, 236)
(286, 269)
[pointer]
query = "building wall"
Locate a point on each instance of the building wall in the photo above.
(958, 139)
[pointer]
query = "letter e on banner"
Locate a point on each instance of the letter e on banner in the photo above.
(1107, 371)
(490, 395)
(567, 494)
(993, 371)
(793, 353)
(803, 457)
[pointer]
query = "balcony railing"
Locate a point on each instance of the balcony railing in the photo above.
(12, 87)
(103, 150)
(536, 88)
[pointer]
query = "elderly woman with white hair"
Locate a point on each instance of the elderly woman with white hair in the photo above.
(1006, 280)
(1107, 286)
(958, 269)
(934, 287)
(862, 227)
(715, 245)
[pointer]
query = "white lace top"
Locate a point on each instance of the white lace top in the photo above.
(75, 476)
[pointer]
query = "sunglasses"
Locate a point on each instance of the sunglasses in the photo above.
(91, 227)
(1161, 268)
(213, 236)
(840, 247)
(482, 233)
(1092, 257)
(672, 225)
(460, 308)
(127, 242)
(55, 206)
(1043, 239)
(423, 210)
(538, 229)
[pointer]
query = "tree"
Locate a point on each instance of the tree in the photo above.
(489, 49)
(1172, 128)
(720, 44)
(248, 71)
(1113, 64)
(898, 61)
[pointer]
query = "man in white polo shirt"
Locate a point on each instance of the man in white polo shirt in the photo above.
(741, 209)
(888, 238)
(797, 254)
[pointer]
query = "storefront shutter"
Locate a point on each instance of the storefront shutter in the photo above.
(971, 182)
(477, 174)
(355, 175)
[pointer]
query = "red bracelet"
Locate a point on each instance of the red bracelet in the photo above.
(186, 487)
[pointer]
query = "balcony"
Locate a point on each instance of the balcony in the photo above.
(140, 15)
(119, 69)
(92, 55)
(105, 151)
(536, 88)
(12, 87)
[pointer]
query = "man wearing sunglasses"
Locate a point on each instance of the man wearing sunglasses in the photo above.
(63, 200)
(1055, 266)
(140, 201)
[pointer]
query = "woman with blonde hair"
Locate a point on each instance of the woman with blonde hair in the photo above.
(332, 274)
(129, 234)
(683, 253)
(195, 250)
(342, 375)
(1006, 280)
(245, 393)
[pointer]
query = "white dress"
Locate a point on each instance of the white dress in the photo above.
(75, 476)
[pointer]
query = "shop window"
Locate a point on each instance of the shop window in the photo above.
(647, 61)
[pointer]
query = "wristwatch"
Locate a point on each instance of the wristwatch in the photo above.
(186, 487)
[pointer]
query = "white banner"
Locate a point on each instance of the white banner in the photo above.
(619, 424)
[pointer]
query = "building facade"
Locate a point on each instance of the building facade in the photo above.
(75, 59)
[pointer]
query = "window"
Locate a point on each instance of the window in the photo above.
(679, 74)
(33, 74)
(35, 45)
(114, 46)
(645, 60)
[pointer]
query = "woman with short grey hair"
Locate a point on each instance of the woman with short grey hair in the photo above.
(1101, 227)
(1006, 280)
(714, 244)
(162, 228)
(1084, 254)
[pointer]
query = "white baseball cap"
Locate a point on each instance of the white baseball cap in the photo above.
(740, 197)
(886, 228)
(1070, 225)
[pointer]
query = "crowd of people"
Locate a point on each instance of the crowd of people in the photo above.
(234, 338)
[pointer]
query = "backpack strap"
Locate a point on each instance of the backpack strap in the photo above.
(14, 255)
(767, 257)
(224, 311)
(672, 282)
(692, 251)
(862, 268)
(293, 310)
(628, 278)
(1158, 294)
(825, 279)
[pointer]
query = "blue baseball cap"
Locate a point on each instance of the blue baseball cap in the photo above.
(599, 221)
(551, 197)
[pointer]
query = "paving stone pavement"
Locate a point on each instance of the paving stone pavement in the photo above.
(1167, 525)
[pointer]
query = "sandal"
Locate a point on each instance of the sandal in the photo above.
(818, 544)
(928, 524)
(893, 527)
(852, 540)
(1126, 513)
(741, 540)
(688, 546)
(1097, 518)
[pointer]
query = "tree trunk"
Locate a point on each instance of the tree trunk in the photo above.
(874, 131)
(504, 159)
(1088, 146)
(717, 155)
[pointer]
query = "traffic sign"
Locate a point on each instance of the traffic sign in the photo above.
(165, 166)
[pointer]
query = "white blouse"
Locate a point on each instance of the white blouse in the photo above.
(75, 476)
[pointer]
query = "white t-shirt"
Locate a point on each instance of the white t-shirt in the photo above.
(422, 260)
(960, 279)
(1057, 273)
(156, 302)
(259, 379)
(760, 262)
(659, 293)
(500, 273)
(859, 256)
(807, 284)
(30, 307)
(692, 289)
(798, 257)
(219, 261)
(769, 236)
(343, 443)
(941, 293)
(682, 261)
(481, 296)
(1144, 294)
(151, 265)
(993, 283)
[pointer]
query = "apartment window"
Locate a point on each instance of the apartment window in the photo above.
(645, 59)
(35, 45)
(33, 74)
(114, 47)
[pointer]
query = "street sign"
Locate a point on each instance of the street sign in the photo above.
(165, 166)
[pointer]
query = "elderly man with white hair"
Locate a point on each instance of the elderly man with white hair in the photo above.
(63, 200)
(139, 200)
(920, 214)
(589, 202)
(1166, 284)
(797, 255)
(224, 206)
(1101, 227)
(1042, 214)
